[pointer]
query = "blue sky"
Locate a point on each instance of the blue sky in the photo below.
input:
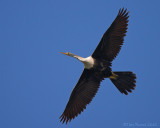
(36, 80)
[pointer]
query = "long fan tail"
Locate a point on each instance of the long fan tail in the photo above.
(124, 81)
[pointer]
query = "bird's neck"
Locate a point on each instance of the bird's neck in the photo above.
(79, 58)
(88, 62)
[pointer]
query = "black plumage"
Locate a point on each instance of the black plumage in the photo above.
(89, 82)
(113, 38)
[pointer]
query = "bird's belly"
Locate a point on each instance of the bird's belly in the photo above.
(103, 67)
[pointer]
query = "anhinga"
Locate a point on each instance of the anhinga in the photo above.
(98, 66)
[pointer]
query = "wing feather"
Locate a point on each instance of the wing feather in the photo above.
(82, 94)
(113, 38)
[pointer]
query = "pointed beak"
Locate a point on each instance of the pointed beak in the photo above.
(64, 53)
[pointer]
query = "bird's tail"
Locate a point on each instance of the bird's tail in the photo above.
(124, 81)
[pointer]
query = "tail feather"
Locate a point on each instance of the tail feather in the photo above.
(124, 81)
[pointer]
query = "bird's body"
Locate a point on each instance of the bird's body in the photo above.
(97, 67)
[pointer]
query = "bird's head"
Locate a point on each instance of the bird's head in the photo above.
(67, 53)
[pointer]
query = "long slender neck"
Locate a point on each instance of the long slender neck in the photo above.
(88, 62)
(76, 56)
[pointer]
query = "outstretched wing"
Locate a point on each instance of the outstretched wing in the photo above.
(113, 38)
(82, 94)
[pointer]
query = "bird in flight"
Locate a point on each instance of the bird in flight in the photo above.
(97, 67)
